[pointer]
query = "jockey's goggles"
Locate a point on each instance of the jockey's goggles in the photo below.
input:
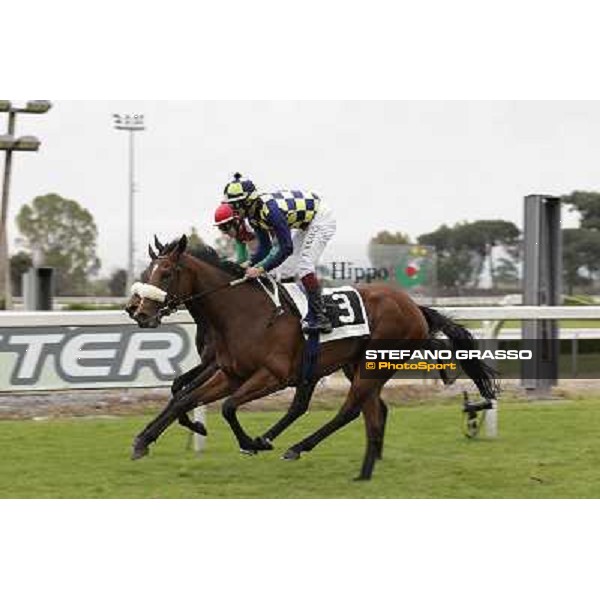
(227, 226)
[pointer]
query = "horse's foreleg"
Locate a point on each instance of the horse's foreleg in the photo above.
(217, 387)
(182, 381)
(298, 407)
(261, 383)
(185, 383)
(201, 375)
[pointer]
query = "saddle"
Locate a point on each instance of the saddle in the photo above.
(344, 307)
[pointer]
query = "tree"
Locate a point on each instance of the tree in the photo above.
(117, 284)
(581, 248)
(378, 255)
(384, 238)
(442, 238)
(194, 240)
(506, 272)
(456, 267)
(588, 206)
(387, 238)
(65, 235)
(463, 249)
(20, 263)
(484, 235)
(97, 287)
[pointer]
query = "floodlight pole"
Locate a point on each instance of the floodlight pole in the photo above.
(130, 124)
(9, 144)
(130, 261)
(5, 284)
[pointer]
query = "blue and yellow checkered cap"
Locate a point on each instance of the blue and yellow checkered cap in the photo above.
(239, 189)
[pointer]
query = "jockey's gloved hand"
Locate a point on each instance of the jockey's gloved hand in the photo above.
(254, 272)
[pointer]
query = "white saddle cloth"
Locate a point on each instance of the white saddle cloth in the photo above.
(350, 318)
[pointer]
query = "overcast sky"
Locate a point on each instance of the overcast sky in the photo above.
(395, 165)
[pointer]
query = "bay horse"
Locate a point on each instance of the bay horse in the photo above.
(256, 356)
(205, 349)
(207, 366)
(187, 381)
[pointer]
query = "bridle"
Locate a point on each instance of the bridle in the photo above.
(171, 302)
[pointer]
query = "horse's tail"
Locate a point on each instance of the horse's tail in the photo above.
(483, 375)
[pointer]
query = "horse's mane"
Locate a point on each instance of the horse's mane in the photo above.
(209, 255)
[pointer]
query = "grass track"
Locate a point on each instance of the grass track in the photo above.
(546, 450)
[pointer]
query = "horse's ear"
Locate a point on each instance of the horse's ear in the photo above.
(182, 244)
(158, 245)
(151, 252)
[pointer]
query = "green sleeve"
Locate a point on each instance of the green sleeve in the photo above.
(241, 252)
(273, 252)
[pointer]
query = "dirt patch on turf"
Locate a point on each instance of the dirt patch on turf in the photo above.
(329, 394)
(142, 401)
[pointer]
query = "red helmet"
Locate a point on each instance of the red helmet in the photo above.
(224, 214)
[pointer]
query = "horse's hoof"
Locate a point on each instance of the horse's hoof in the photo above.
(291, 454)
(139, 452)
(248, 451)
(262, 443)
(362, 478)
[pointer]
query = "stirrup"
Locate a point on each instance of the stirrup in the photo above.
(324, 327)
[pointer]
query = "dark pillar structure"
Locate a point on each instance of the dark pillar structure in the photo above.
(542, 276)
(38, 288)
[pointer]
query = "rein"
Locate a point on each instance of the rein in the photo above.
(171, 305)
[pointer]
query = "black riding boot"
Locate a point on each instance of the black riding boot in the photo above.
(316, 305)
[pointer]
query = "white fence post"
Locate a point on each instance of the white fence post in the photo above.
(490, 420)
(199, 440)
(491, 329)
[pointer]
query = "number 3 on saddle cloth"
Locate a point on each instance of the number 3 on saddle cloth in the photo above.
(344, 307)
(346, 311)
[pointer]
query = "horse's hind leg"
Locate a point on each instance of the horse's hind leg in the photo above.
(299, 406)
(194, 426)
(383, 409)
(374, 425)
(363, 394)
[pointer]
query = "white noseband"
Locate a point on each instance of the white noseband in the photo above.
(145, 290)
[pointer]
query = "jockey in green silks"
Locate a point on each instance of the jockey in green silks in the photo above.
(233, 225)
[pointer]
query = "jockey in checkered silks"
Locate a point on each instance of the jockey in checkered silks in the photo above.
(273, 216)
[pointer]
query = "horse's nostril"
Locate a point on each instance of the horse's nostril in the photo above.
(132, 310)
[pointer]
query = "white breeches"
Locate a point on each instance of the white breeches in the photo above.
(309, 244)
